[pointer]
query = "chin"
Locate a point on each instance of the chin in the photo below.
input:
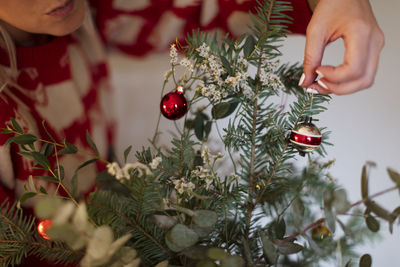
(70, 24)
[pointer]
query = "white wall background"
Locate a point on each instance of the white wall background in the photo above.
(365, 126)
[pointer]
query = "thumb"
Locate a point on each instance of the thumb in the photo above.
(315, 47)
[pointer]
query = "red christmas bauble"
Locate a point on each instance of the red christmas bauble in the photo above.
(174, 105)
(42, 227)
(306, 137)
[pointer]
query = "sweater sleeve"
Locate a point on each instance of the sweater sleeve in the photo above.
(142, 26)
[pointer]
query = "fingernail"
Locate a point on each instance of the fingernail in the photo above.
(311, 91)
(303, 76)
(323, 85)
(319, 73)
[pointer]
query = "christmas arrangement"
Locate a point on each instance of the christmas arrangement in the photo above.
(189, 205)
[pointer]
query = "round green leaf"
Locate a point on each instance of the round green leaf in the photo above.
(171, 245)
(365, 260)
(372, 223)
(217, 254)
(205, 218)
(290, 248)
(45, 208)
(196, 252)
(233, 261)
(183, 237)
(100, 242)
(206, 263)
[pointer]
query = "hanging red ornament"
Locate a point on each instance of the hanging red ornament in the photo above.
(174, 105)
(306, 136)
(42, 227)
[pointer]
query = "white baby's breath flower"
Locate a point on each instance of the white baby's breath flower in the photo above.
(247, 92)
(203, 50)
(181, 186)
(114, 169)
(139, 167)
(154, 163)
(205, 154)
(173, 54)
(187, 64)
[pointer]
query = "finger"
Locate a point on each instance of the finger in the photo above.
(314, 49)
(365, 81)
(320, 89)
(355, 59)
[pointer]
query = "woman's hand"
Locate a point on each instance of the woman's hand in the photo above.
(354, 21)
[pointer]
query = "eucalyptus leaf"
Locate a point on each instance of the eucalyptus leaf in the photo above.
(27, 196)
(68, 149)
(217, 254)
(232, 261)
(46, 207)
(366, 260)
(379, 211)
(205, 218)
(290, 248)
(196, 252)
(340, 202)
(126, 153)
(206, 263)
(100, 242)
(395, 176)
(16, 126)
(372, 223)
(330, 219)
(364, 183)
(280, 228)
(91, 143)
(182, 236)
(64, 213)
(269, 249)
(220, 110)
(24, 139)
(199, 126)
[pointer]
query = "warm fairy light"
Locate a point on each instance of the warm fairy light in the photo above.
(42, 227)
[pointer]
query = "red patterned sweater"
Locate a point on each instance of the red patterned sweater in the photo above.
(65, 81)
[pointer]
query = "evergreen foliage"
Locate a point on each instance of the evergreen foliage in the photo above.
(176, 207)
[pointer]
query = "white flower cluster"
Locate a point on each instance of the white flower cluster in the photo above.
(204, 175)
(125, 172)
(182, 186)
(211, 65)
(206, 155)
(155, 162)
(217, 88)
(271, 80)
(186, 64)
(211, 91)
(173, 54)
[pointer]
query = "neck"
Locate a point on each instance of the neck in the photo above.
(23, 38)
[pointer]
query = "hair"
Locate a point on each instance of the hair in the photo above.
(86, 34)
(7, 74)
